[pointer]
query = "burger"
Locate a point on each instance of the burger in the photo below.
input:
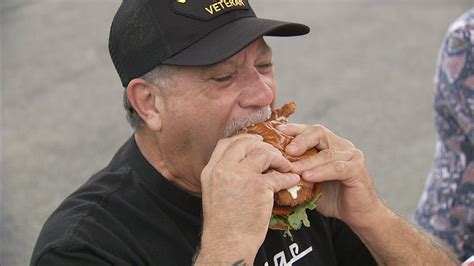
(290, 205)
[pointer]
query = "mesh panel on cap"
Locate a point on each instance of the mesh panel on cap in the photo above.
(136, 43)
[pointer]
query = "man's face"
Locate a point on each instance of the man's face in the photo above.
(210, 103)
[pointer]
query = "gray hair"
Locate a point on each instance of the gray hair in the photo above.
(161, 76)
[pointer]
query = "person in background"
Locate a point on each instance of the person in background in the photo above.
(446, 208)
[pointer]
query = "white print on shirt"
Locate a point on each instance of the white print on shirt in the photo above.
(280, 260)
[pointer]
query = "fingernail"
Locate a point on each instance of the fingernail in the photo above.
(295, 177)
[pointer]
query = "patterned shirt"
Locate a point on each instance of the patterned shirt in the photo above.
(446, 208)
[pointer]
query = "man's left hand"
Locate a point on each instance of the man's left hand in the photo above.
(347, 190)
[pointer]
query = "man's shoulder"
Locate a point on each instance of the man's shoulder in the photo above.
(84, 208)
(107, 219)
(123, 212)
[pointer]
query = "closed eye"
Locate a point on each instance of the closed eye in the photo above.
(222, 78)
(267, 65)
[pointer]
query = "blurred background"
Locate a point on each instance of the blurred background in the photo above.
(365, 71)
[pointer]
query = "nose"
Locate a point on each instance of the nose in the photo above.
(258, 90)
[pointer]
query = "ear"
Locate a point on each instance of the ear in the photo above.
(145, 102)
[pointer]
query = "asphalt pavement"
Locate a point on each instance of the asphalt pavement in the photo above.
(365, 72)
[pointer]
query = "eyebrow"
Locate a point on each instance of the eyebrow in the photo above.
(264, 50)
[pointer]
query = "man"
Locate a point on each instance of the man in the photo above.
(184, 190)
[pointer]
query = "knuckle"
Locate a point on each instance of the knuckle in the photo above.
(233, 144)
(205, 172)
(269, 149)
(274, 180)
(266, 149)
(358, 154)
(240, 172)
(318, 127)
(327, 154)
(266, 146)
(223, 142)
(232, 141)
(259, 182)
(349, 143)
(219, 170)
(239, 141)
(259, 151)
(340, 166)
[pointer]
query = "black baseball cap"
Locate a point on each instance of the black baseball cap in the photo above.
(148, 33)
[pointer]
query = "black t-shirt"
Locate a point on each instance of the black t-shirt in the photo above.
(129, 214)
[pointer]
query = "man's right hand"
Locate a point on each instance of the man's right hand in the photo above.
(237, 195)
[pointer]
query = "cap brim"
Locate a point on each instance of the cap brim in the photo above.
(231, 38)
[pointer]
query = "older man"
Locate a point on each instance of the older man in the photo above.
(184, 190)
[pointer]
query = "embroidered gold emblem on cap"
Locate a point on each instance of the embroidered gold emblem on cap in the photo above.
(223, 4)
(181, 1)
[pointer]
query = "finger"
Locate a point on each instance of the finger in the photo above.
(292, 129)
(337, 170)
(346, 171)
(262, 158)
(321, 158)
(277, 181)
(238, 150)
(306, 137)
(223, 145)
(317, 136)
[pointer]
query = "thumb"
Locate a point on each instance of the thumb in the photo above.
(278, 181)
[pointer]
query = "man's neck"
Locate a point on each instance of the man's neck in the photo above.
(149, 146)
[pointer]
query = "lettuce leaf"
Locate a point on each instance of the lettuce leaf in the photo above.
(296, 219)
